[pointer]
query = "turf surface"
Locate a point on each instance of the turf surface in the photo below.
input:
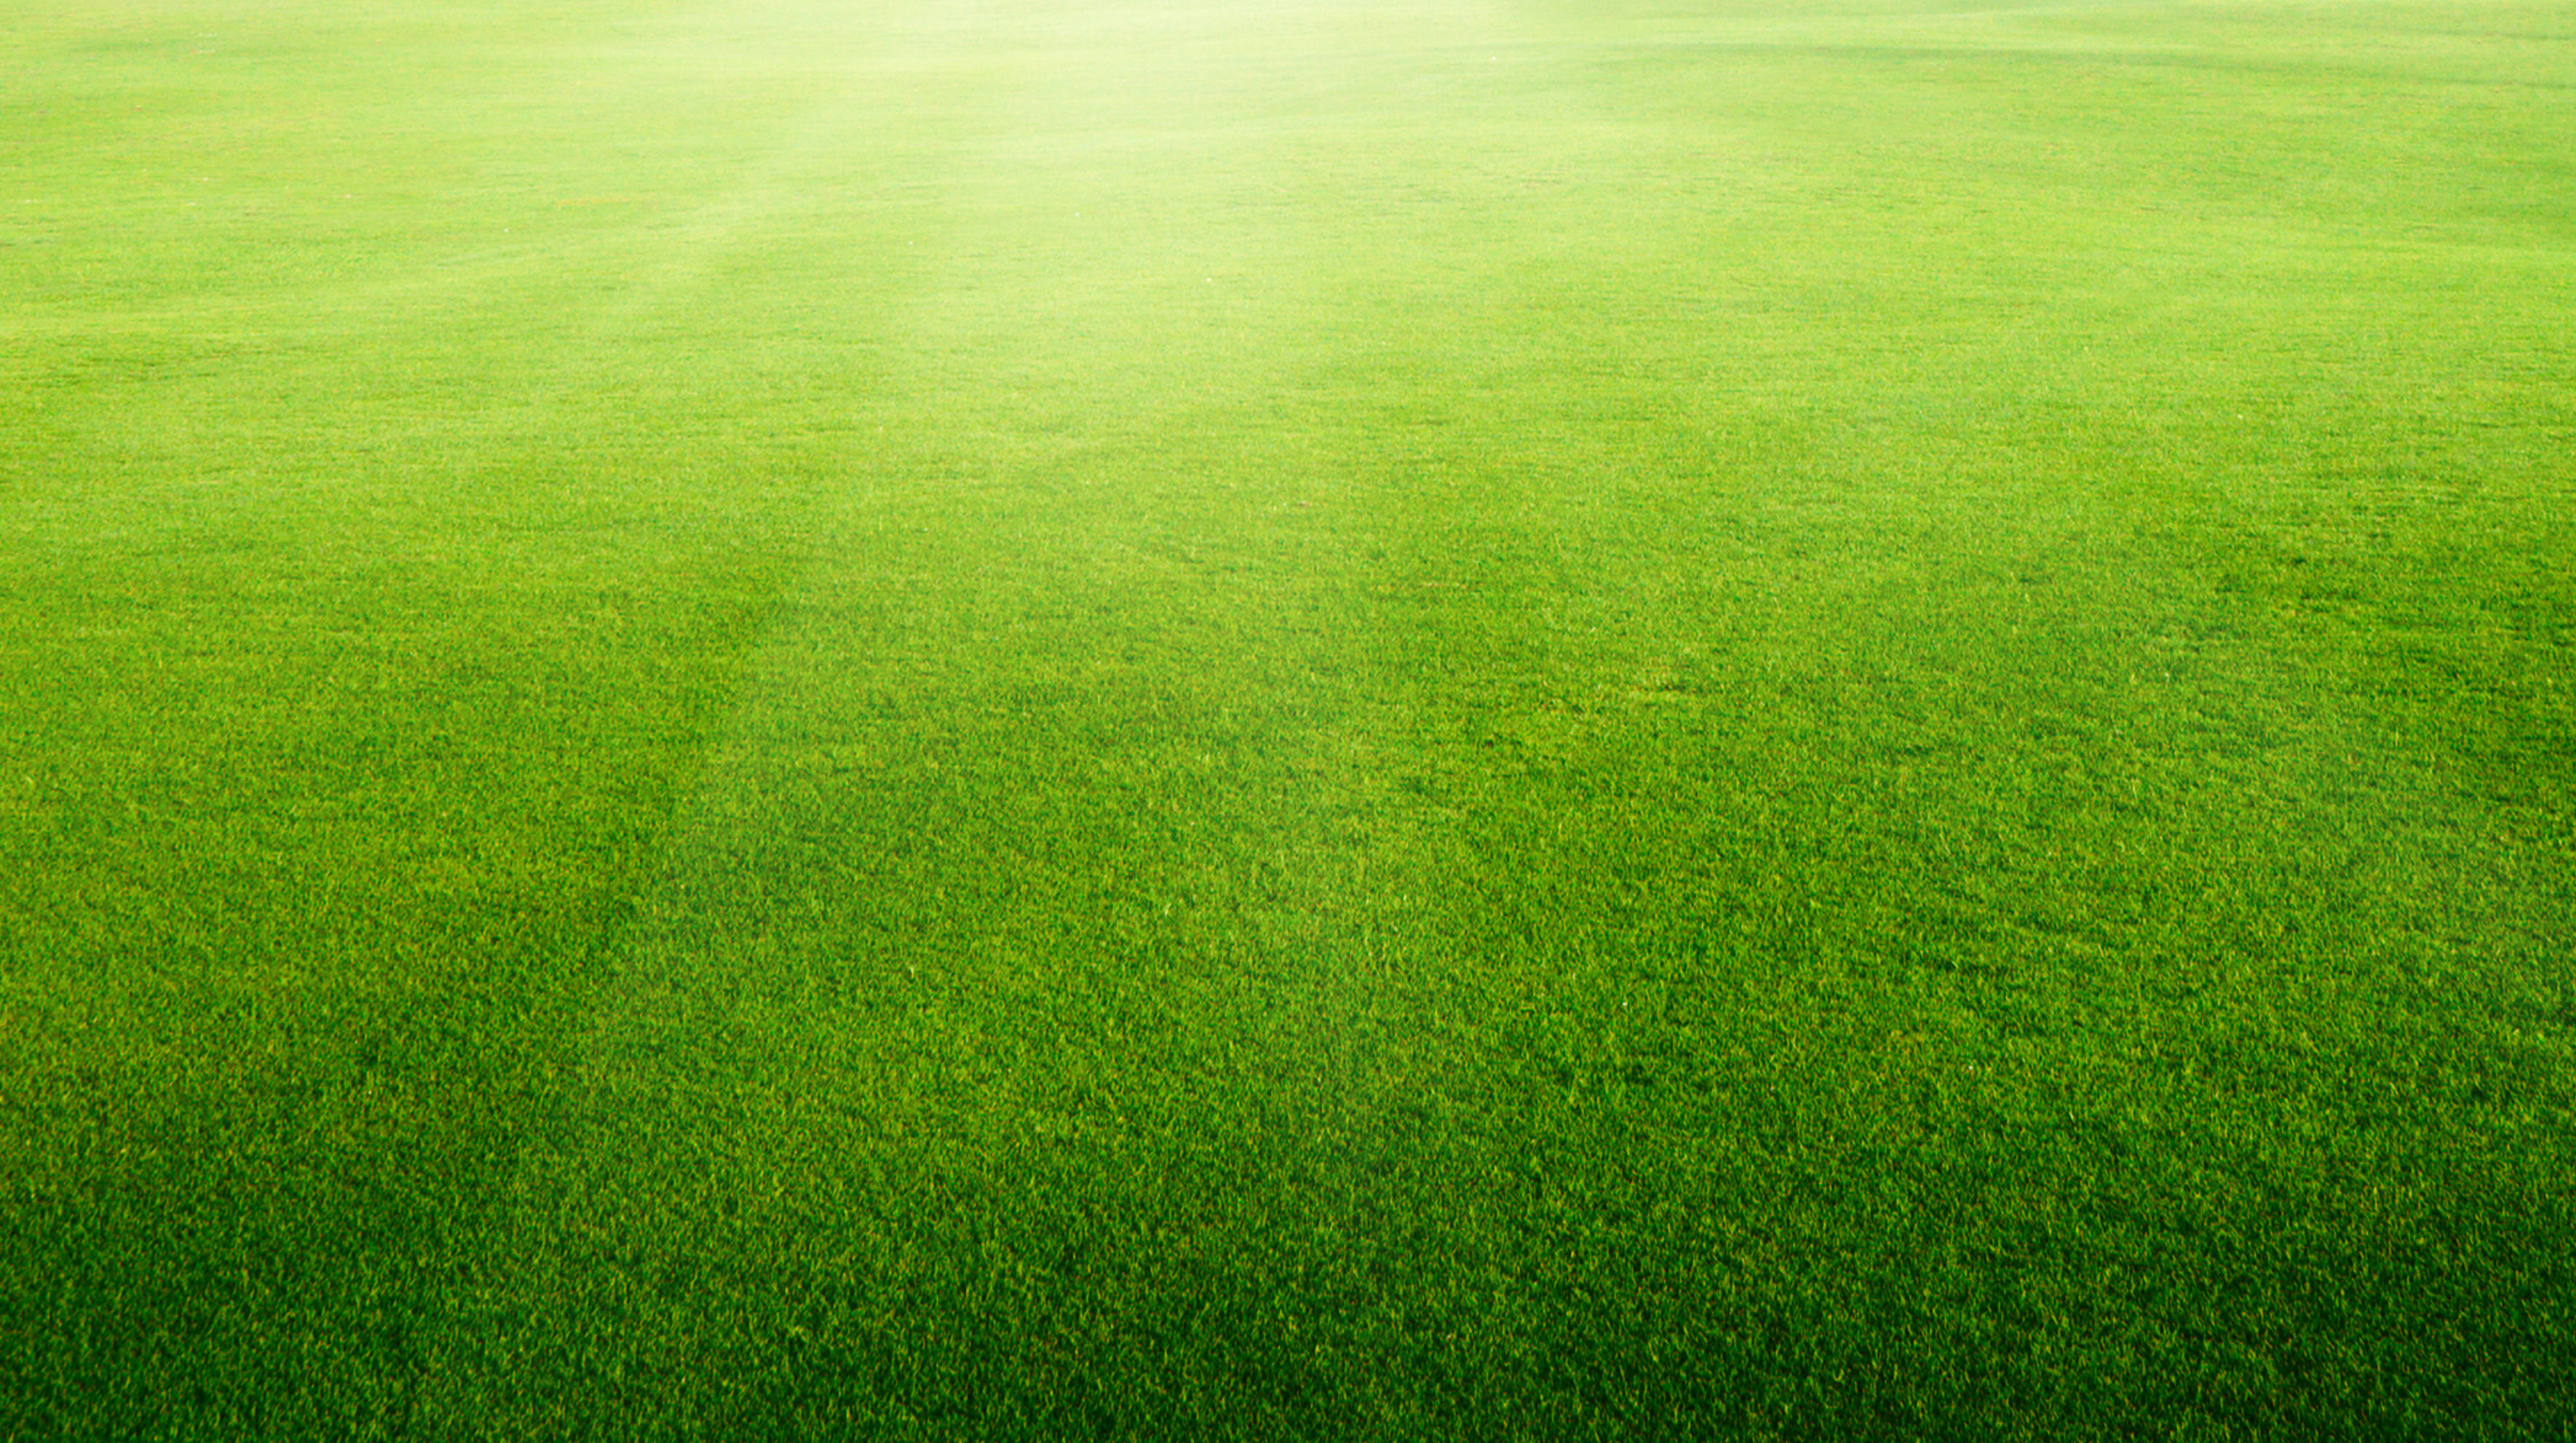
(1445, 719)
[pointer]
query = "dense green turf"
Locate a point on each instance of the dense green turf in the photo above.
(1329, 720)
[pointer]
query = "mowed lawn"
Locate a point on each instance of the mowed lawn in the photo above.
(1449, 719)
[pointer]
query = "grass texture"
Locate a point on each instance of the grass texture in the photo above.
(1447, 719)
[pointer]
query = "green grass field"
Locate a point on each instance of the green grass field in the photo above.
(1451, 719)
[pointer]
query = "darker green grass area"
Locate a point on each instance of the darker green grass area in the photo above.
(1325, 721)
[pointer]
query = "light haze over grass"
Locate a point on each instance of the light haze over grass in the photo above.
(1037, 719)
